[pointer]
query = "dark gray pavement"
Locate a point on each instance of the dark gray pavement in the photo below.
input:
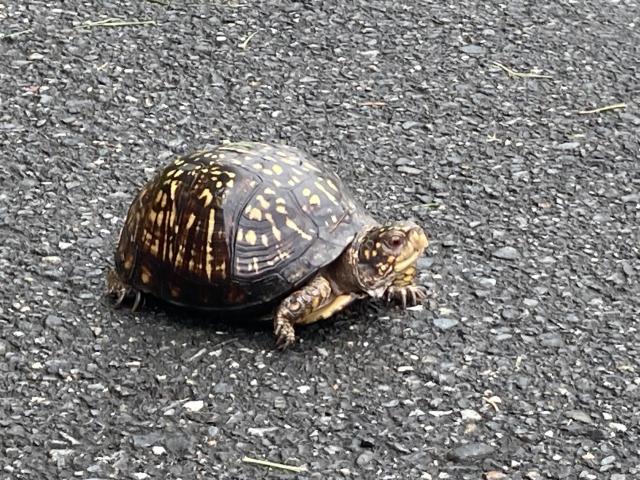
(524, 364)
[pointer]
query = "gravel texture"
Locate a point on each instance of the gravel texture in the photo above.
(523, 363)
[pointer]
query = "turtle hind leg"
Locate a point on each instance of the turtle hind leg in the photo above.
(119, 290)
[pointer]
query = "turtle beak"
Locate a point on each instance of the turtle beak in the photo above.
(416, 244)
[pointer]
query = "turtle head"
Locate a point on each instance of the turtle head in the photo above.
(384, 254)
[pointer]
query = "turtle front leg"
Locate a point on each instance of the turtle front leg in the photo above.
(299, 308)
(404, 290)
(118, 289)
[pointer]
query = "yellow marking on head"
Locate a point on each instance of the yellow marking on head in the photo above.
(281, 209)
(178, 162)
(251, 237)
(211, 225)
(265, 240)
(263, 203)
(239, 235)
(206, 194)
(255, 214)
(277, 169)
(174, 186)
(231, 174)
(293, 226)
(378, 244)
(269, 191)
(391, 259)
(218, 184)
(314, 199)
(366, 253)
(374, 253)
(229, 184)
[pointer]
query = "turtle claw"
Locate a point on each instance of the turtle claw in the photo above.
(285, 334)
(408, 296)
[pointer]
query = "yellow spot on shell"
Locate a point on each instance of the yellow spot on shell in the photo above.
(206, 194)
(277, 169)
(265, 240)
(254, 261)
(255, 214)
(251, 237)
(306, 192)
(263, 203)
(257, 166)
(211, 225)
(269, 191)
(294, 226)
(239, 235)
(328, 194)
(191, 220)
(281, 209)
(314, 199)
(174, 186)
(128, 262)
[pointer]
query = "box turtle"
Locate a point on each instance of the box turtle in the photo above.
(247, 225)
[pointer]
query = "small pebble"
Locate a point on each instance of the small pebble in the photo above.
(470, 451)
(578, 416)
(193, 405)
(158, 450)
(506, 253)
(445, 323)
(470, 415)
(473, 49)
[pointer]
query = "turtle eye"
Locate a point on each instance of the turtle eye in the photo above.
(395, 241)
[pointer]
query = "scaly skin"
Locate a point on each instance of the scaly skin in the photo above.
(299, 305)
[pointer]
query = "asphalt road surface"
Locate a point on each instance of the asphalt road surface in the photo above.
(476, 119)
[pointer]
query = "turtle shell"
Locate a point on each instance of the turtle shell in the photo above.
(235, 227)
